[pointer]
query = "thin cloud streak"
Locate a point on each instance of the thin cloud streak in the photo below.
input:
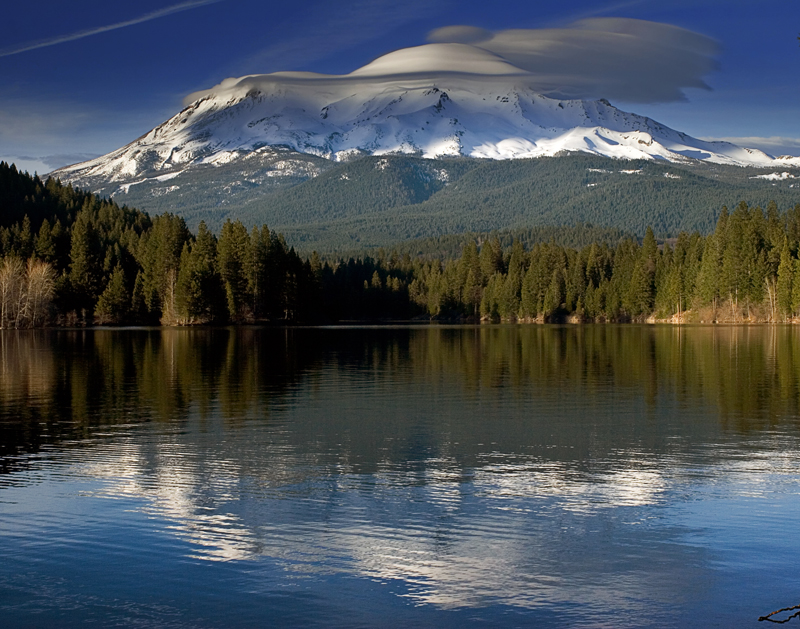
(774, 145)
(605, 10)
(154, 15)
(64, 159)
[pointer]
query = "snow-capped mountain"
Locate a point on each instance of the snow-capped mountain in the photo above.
(435, 111)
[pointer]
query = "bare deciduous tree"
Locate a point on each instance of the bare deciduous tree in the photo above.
(25, 292)
(12, 273)
(41, 285)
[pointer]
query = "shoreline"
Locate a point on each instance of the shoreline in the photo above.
(571, 321)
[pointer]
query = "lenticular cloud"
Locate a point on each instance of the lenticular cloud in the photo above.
(615, 58)
(625, 59)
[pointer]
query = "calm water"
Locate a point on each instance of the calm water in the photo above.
(532, 476)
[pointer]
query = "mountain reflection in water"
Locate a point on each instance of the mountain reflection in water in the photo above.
(597, 475)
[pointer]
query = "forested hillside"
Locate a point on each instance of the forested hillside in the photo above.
(111, 264)
(71, 258)
(381, 201)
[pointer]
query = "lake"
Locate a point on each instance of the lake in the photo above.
(465, 476)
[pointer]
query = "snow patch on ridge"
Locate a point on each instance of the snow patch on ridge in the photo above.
(445, 117)
(775, 176)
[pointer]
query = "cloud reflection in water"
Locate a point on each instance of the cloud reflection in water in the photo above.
(455, 538)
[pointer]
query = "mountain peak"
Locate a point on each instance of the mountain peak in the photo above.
(420, 114)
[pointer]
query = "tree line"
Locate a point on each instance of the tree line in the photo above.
(96, 262)
(72, 258)
(746, 270)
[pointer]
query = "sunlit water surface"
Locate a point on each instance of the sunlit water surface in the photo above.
(596, 476)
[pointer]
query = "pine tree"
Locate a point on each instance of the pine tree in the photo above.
(756, 255)
(277, 285)
(491, 297)
(435, 291)
(186, 298)
(158, 254)
(733, 270)
(707, 285)
(491, 258)
(529, 297)
(795, 307)
(785, 281)
(256, 269)
(649, 252)
(45, 244)
(639, 297)
(25, 245)
(85, 264)
(61, 241)
(575, 282)
(199, 293)
(510, 294)
(554, 296)
(114, 303)
(473, 282)
(232, 260)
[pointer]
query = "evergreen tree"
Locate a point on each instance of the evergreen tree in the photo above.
(785, 281)
(510, 294)
(256, 269)
(707, 285)
(45, 244)
(491, 297)
(114, 303)
(733, 270)
(575, 282)
(554, 296)
(435, 290)
(233, 251)
(199, 293)
(85, 265)
(639, 292)
(472, 291)
(491, 258)
(158, 253)
(639, 297)
(795, 308)
(649, 251)
(25, 246)
(756, 256)
(531, 295)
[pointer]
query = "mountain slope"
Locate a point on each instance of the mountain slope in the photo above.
(413, 146)
(483, 195)
(445, 116)
(376, 201)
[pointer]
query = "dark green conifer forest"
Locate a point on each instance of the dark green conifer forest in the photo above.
(68, 257)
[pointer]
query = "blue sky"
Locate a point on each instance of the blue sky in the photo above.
(82, 78)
